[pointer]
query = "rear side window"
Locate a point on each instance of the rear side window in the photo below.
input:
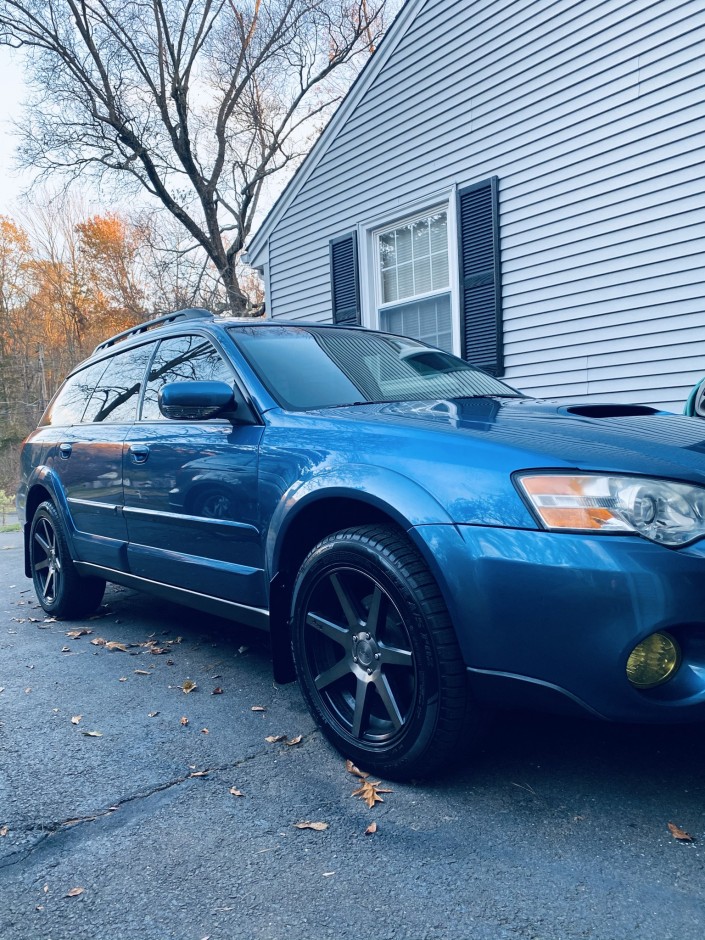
(182, 359)
(69, 405)
(114, 399)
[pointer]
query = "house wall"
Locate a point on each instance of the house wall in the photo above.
(592, 116)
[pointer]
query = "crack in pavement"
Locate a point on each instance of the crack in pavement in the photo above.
(66, 825)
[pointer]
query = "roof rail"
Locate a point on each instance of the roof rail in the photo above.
(189, 313)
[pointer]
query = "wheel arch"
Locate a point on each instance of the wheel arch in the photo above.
(41, 487)
(351, 497)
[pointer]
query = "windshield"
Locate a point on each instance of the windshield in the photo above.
(305, 368)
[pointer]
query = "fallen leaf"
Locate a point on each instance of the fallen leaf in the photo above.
(4, 831)
(2, 688)
(99, 641)
(233, 791)
(184, 721)
(369, 792)
(28, 690)
(205, 731)
(679, 833)
(152, 714)
(116, 647)
(65, 649)
(275, 738)
(74, 892)
(158, 650)
(242, 649)
(352, 769)
(122, 679)
(371, 829)
(297, 740)
(93, 734)
(317, 826)
(327, 874)
(75, 719)
(188, 686)
(142, 672)
(199, 773)
(258, 708)
(75, 634)
(45, 889)
(46, 619)
(217, 691)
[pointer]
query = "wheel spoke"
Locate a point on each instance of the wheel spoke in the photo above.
(341, 668)
(41, 564)
(391, 656)
(44, 544)
(359, 713)
(331, 630)
(373, 614)
(346, 602)
(388, 700)
(50, 581)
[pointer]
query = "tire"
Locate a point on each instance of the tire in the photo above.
(60, 590)
(377, 657)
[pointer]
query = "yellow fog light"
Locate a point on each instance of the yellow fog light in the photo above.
(653, 661)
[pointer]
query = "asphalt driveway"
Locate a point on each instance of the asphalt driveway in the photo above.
(557, 829)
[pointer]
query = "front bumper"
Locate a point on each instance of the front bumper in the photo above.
(540, 614)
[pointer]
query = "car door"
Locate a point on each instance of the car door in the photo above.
(190, 487)
(101, 402)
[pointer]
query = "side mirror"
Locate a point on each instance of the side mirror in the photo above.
(196, 401)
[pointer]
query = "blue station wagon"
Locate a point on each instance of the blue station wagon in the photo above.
(422, 541)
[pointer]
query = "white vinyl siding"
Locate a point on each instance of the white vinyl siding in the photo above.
(592, 115)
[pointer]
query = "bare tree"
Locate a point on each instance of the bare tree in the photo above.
(197, 101)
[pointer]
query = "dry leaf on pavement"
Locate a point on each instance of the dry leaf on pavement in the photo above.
(258, 708)
(184, 721)
(75, 719)
(297, 740)
(74, 634)
(233, 791)
(679, 833)
(74, 892)
(4, 830)
(317, 826)
(93, 734)
(99, 641)
(275, 738)
(371, 829)
(217, 691)
(152, 714)
(369, 792)
(142, 672)
(188, 686)
(199, 773)
(352, 769)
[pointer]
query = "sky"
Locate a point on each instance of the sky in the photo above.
(13, 92)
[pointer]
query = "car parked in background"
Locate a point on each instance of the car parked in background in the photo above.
(421, 540)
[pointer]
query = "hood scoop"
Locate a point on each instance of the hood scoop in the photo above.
(611, 411)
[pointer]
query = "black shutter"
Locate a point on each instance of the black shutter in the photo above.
(480, 276)
(344, 279)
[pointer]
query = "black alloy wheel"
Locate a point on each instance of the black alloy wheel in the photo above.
(60, 589)
(376, 653)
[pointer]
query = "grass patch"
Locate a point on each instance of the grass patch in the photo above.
(15, 527)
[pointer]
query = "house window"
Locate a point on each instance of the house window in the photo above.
(413, 279)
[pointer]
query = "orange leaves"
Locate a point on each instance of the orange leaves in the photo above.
(316, 826)
(188, 686)
(74, 892)
(284, 739)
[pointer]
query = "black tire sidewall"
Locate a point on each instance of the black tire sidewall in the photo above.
(371, 558)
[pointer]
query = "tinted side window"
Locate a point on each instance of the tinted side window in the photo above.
(69, 405)
(182, 359)
(115, 397)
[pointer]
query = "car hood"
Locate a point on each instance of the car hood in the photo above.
(597, 436)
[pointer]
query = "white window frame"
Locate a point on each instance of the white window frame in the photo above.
(370, 274)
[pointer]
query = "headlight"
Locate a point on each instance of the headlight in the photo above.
(668, 513)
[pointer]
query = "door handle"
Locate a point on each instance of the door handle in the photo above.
(65, 451)
(139, 453)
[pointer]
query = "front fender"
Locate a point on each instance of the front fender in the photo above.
(46, 479)
(405, 501)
